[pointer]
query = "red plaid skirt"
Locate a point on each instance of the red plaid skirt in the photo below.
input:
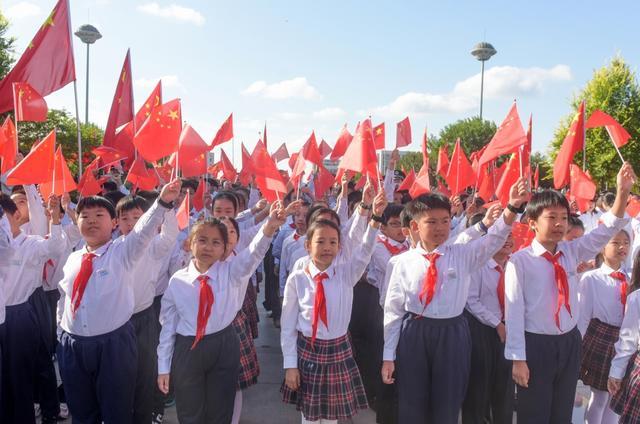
(249, 366)
(250, 308)
(626, 402)
(330, 383)
(597, 352)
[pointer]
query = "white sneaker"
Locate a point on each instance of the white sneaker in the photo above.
(64, 411)
(36, 409)
(157, 419)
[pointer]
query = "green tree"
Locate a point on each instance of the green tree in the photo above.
(474, 134)
(410, 160)
(6, 47)
(66, 136)
(613, 89)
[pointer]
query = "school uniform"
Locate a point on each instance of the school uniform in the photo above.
(541, 317)
(202, 351)
(6, 252)
(22, 334)
(424, 329)
(625, 365)
(314, 337)
(97, 354)
(491, 388)
(291, 244)
(602, 297)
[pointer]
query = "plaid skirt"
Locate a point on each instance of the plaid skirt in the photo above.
(626, 402)
(330, 383)
(597, 352)
(249, 366)
(250, 308)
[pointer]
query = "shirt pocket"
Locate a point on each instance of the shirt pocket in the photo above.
(103, 282)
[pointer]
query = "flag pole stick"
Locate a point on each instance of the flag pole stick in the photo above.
(584, 137)
(17, 113)
(615, 146)
(78, 132)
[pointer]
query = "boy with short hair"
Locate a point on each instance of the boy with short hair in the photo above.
(541, 300)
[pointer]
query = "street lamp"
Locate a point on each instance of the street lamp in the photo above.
(483, 52)
(89, 35)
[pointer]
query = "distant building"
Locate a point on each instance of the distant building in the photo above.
(384, 156)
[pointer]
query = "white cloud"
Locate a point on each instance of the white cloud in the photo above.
(168, 81)
(499, 82)
(21, 10)
(329, 113)
(293, 88)
(173, 11)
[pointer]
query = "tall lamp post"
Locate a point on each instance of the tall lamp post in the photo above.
(89, 35)
(483, 52)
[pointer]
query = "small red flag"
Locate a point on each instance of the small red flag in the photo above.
(522, 235)
(121, 108)
(225, 133)
(47, 62)
(460, 174)
(141, 177)
(198, 196)
(247, 170)
(154, 100)
(422, 183)
(536, 177)
(509, 136)
(324, 181)
(360, 155)
(582, 186)
(509, 178)
(292, 160)
(37, 166)
(88, 185)
(228, 171)
(29, 105)
(633, 208)
(443, 189)
(408, 181)
(618, 134)
(268, 177)
(281, 154)
(192, 153)
(159, 135)
(344, 139)
(308, 157)
(403, 133)
(8, 145)
(325, 149)
(61, 181)
(164, 172)
(108, 154)
(378, 136)
(182, 215)
(572, 144)
(443, 161)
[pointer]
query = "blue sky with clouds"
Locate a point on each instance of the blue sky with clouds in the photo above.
(305, 66)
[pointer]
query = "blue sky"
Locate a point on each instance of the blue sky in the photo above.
(304, 66)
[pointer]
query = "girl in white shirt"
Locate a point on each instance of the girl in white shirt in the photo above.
(321, 377)
(602, 297)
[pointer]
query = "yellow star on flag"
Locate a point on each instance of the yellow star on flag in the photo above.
(173, 114)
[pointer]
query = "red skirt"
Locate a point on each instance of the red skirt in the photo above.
(597, 352)
(626, 402)
(249, 366)
(330, 383)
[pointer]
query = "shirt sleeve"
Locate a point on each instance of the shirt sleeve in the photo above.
(247, 261)
(589, 245)
(163, 243)
(628, 340)
(394, 311)
(475, 306)
(169, 322)
(342, 208)
(288, 324)
(479, 251)
(37, 218)
(385, 283)
(515, 347)
(585, 301)
(137, 241)
(389, 185)
(362, 256)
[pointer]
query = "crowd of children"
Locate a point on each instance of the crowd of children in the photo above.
(425, 310)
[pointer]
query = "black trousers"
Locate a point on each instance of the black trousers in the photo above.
(46, 383)
(146, 327)
(99, 375)
(554, 366)
(19, 344)
(158, 396)
(271, 286)
(205, 378)
(490, 394)
(432, 368)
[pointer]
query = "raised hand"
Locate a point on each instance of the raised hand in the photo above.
(171, 191)
(626, 177)
(380, 203)
(53, 206)
(492, 214)
(519, 193)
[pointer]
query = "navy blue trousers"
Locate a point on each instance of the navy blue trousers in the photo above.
(554, 367)
(99, 375)
(432, 369)
(158, 396)
(19, 345)
(146, 328)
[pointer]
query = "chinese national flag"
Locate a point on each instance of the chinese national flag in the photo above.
(182, 214)
(486, 186)
(8, 145)
(443, 189)
(618, 134)
(403, 133)
(141, 177)
(509, 136)
(47, 62)
(344, 139)
(422, 183)
(582, 187)
(324, 181)
(88, 185)
(633, 208)
(292, 160)
(268, 177)
(572, 144)
(281, 154)
(408, 181)
(460, 174)
(247, 170)
(443, 161)
(108, 154)
(159, 135)
(360, 155)
(228, 171)
(198, 196)
(378, 136)
(37, 166)
(164, 172)
(121, 107)
(509, 178)
(29, 104)
(225, 133)
(62, 181)
(325, 149)
(154, 100)
(307, 158)
(522, 235)
(536, 177)
(192, 153)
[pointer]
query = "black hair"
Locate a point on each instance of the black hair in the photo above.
(109, 186)
(17, 189)
(149, 196)
(321, 223)
(475, 219)
(427, 202)
(406, 217)
(353, 197)
(129, 203)
(545, 199)
(609, 199)
(189, 183)
(391, 211)
(574, 221)
(634, 284)
(314, 212)
(226, 195)
(213, 223)
(7, 204)
(93, 202)
(233, 222)
(114, 197)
